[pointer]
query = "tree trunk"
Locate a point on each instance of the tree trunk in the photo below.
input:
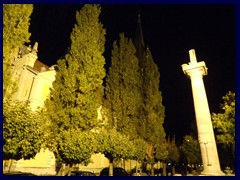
(11, 161)
(173, 169)
(59, 172)
(68, 170)
(152, 169)
(111, 167)
(164, 169)
(64, 170)
(136, 170)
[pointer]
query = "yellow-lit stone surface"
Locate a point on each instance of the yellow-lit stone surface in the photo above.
(196, 70)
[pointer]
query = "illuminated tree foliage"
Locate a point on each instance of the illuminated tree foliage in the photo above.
(23, 132)
(77, 146)
(190, 148)
(150, 126)
(77, 91)
(173, 153)
(16, 23)
(123, 97)
(224, 126)
(224, 122)
(115, 145)
(140, 148)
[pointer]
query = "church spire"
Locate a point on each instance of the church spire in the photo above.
(139, 41)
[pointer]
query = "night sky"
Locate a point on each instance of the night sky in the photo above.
(170, 31)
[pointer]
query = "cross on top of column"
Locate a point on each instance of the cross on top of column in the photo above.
(192, 55)
(193, 66)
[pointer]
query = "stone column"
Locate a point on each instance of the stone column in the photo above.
(196, 70)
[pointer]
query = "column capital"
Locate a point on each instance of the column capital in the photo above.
(195, 69)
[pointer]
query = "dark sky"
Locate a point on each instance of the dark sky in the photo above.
(170, 31)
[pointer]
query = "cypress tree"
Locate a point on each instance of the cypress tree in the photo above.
(123, 96)
(153, 111)
(151, 115)
(150, 127)
(77, 91)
